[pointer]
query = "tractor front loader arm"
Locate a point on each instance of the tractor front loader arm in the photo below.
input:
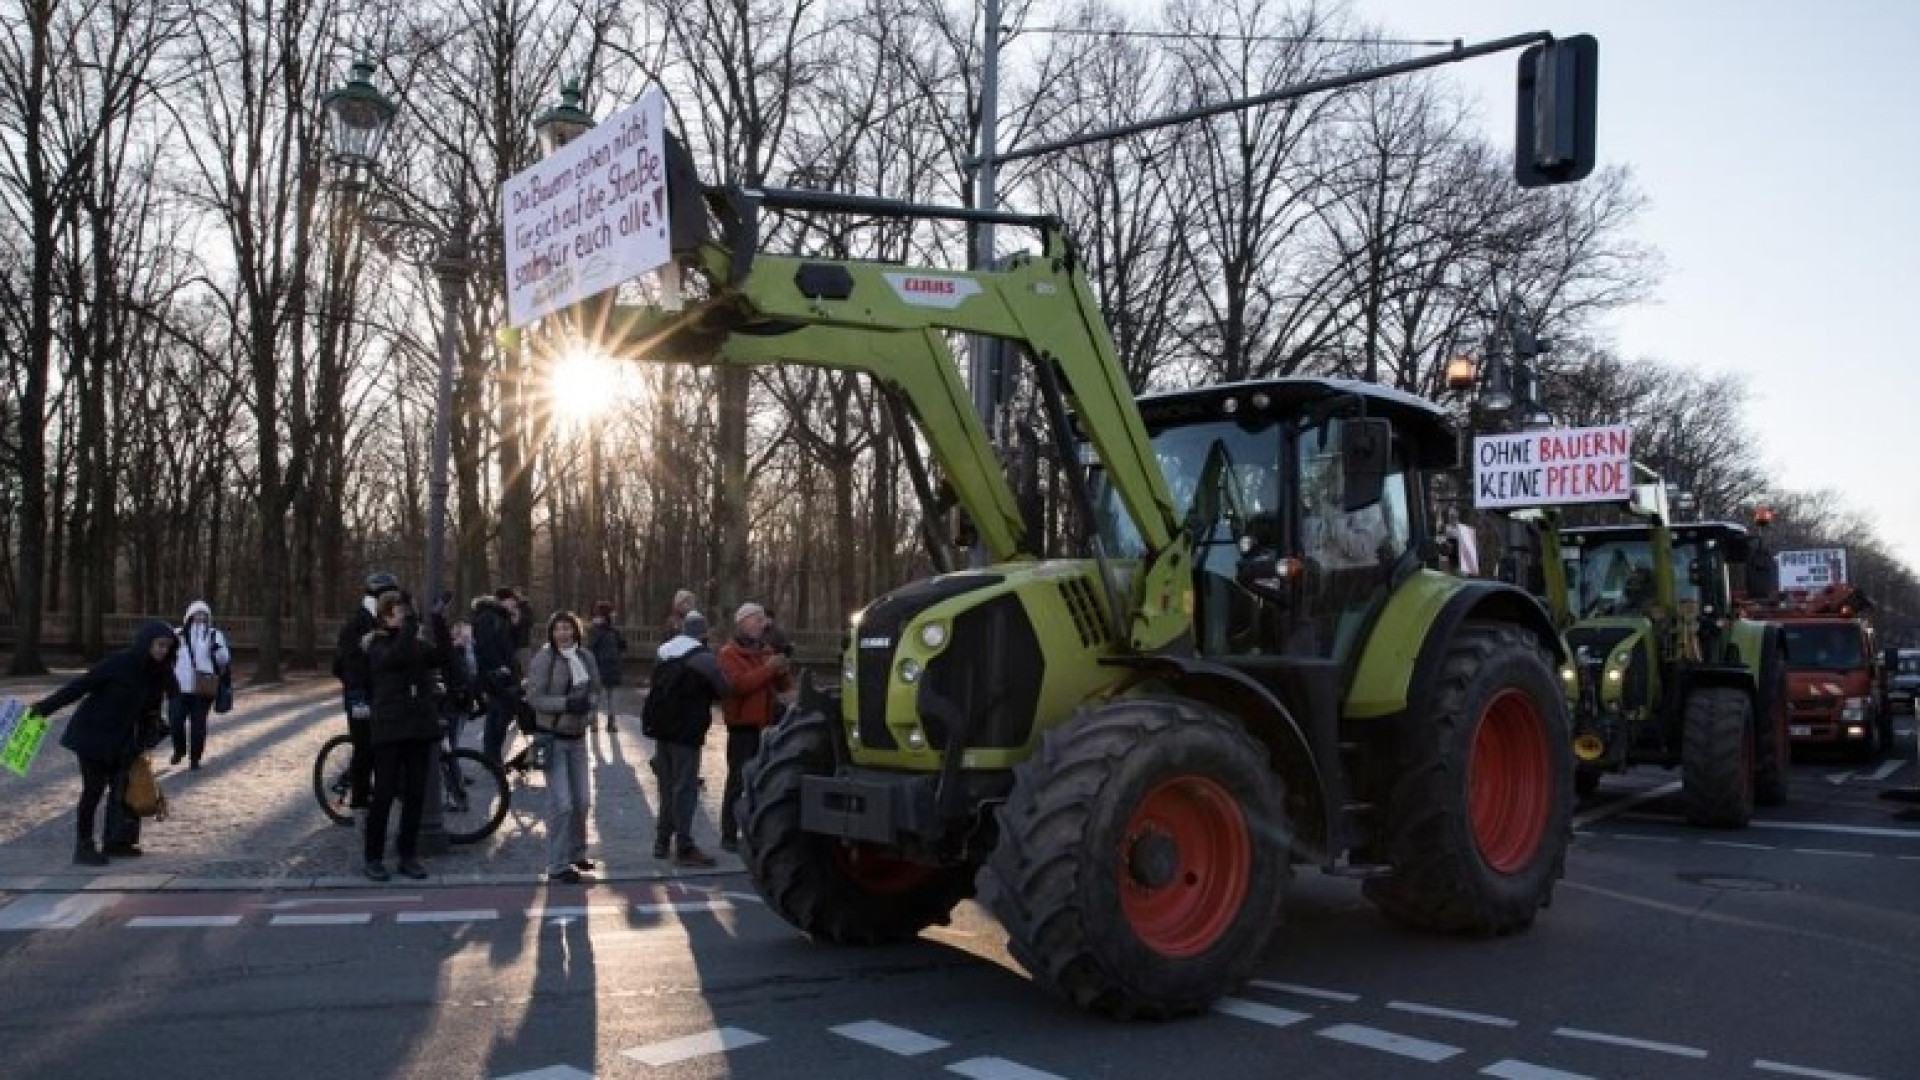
(891, 322)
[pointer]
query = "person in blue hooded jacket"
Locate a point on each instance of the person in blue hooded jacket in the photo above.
(118, 720)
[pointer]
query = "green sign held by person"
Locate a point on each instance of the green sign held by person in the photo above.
(21, 732)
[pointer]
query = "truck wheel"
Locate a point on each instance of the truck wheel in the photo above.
(1479, 818)
(1775, 747)
(840, 891)
(1142, 858)
(1717, 757)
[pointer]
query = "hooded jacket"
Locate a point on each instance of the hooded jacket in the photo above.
(493, 639)
(201, 649)
(688, 672)
(124, 694)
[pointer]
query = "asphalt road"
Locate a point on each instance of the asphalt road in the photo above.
(1790, 949)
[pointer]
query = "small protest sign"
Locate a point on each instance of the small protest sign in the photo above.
(22, 731)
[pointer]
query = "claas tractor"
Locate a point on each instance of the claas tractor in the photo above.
(1123, 741)
(1665, 670)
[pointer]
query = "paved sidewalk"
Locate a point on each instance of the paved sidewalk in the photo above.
(247, 819)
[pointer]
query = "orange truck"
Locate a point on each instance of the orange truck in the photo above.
(1834, 691)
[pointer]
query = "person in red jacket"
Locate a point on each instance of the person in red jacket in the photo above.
(758, 674)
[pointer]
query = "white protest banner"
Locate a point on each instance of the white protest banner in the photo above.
(1814, 569)
(589, 217)
(1555, 467)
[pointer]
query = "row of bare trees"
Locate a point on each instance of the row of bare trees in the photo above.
(220, 380)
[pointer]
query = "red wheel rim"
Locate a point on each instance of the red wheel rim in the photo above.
(1509, 790)
(874, 870)
(1185, 866)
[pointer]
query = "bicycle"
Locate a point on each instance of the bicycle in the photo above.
(475, 797)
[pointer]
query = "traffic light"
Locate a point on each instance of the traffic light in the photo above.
(1554, 117)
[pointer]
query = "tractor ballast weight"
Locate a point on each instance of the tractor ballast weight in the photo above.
(1247, 664)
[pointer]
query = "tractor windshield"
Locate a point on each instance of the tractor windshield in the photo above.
(1224, 477)
(1611, 578)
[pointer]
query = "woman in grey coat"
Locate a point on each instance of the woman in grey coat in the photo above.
(562, 679)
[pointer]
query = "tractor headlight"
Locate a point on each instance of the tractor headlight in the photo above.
(847, 671)
(916, 739)
(1613, 675)
(909, 670)
(933, 635)
(1567, 675)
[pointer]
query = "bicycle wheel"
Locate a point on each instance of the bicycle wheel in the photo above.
(330, 782)
(475, 796)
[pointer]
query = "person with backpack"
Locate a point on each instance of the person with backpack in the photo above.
(356, 686)
(561, 681)
(204, 659)
(677, 714)
(119, 720)
(609, 648)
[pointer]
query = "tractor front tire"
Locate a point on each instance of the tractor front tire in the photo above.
(1479, 819)
(1142, 859)
(839, 891)
(1717, 758)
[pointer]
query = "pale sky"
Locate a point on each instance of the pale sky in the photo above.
(1779, 147)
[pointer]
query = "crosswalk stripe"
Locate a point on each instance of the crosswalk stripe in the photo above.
(894, 1040)
(1270, 1015)
(55, 911)
(339, 918)
(993, 1068)
(182, 922)
(1389, 1042)
(473, 915)
(687, 1047)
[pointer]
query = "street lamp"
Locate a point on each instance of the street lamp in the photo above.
(564, 122)
(362, 116)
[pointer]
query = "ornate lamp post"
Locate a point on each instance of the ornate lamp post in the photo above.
(361, 118)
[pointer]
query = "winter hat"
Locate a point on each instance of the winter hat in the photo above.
(694, 625)
(199, 607)
(747, 611)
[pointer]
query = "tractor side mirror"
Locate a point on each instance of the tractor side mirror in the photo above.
(1366, 454)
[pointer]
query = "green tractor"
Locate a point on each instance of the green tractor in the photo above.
(1666, 670)
(1242, 662)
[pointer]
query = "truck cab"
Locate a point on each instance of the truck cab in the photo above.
(1834, 695)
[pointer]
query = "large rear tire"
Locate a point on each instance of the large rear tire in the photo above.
(1143, 857)
(1480, 816)
(1718, 758)
(841, 891)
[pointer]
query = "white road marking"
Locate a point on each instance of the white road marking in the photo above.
(1638, 1044)
(1625, 805)
(993, 1068)
(1644, 837)
(1270, 1015)
(55, 911)
(1830, 851)
(746, 896)
(288, 905)
(894, 1040)
(338, 918)
(1305, 991)
(1796, 1070)
(681, 907)
(1521, 1070)
(1838, 778)
(1737, 844)
(1452, 1014)
(170, 922)
(1846, 830)
(551, 1072)
(475, 915)
(576, 912)
(687, 1047)
(1389, 1042)
(1887, 768)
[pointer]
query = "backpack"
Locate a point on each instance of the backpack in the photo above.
(658, 712)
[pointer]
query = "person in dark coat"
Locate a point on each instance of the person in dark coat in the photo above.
(119, 718)
(356, 699)
(495, 635)
(403, 659)
(609, 648)
(686, 684)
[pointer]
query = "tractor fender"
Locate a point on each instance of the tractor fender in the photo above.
(1266, 718)
(1419, 623)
